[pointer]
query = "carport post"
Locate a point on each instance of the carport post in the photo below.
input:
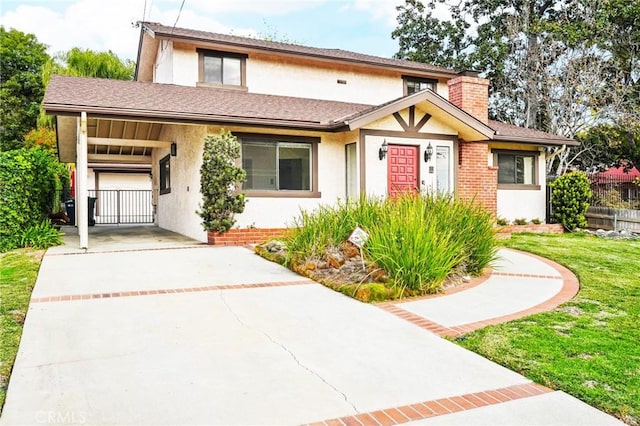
(82, 203)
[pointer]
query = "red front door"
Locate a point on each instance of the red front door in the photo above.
(402, 168)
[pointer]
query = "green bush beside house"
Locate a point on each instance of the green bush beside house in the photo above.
(30, 181)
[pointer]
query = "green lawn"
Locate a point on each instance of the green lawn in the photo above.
(590, 346)
(18, 272)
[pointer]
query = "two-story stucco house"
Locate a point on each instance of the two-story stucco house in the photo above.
(316, 125)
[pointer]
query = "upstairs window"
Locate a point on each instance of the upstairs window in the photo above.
(221, 68)
(516, 168)
(416, 84)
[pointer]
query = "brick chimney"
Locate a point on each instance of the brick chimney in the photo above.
(471, 94)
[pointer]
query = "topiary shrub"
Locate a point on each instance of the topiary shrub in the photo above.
(570, 195)
(30, 180)
(219, 176)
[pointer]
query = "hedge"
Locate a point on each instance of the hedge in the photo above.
(30, 183)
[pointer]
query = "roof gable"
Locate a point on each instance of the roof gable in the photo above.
(237, 43)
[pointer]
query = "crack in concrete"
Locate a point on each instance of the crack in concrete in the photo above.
(288, 351)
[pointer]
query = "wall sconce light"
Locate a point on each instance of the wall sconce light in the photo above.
(382, 152)
(174, 149)
(428, 152)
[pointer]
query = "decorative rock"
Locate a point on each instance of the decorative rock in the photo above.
(622, 234)
(275, 246)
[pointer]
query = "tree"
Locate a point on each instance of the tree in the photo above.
(523, 46)
(85, 63)
(89, 63)
(219, 177)
(606, 145)
(44, 137)
(560, 66)
(21, 89)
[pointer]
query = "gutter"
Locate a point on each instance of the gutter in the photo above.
(188, 118)
(537, 141)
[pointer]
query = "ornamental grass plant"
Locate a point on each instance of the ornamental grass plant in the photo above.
(418, 240)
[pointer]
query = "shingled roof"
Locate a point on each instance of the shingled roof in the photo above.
(510, 133)
(162, 31)
(199, 104)
(72, 95)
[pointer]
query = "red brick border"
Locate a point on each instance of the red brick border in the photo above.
(570, 287)
(437, 407)
(194, 246)
(66, 298)
(241, 237)
(542, 228)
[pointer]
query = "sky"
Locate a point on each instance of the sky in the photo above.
(362, 26)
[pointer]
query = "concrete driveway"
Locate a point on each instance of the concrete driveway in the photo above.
(191, 334)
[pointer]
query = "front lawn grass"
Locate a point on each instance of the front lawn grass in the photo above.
(590, 346)
(18, 272)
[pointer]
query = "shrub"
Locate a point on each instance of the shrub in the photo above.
(417, 240)
(536, 221)
(570, 195)
(29, 179)
(218, 179)
(41, 236)
(501, 221)
(520, 221)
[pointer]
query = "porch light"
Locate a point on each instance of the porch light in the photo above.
(174, 149)
(382, 152)
(428, 152)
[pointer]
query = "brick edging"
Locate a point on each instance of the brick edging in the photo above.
(570, 287)
(69, 297)
(192, 246)
(437, 407)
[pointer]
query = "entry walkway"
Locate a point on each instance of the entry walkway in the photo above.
(192, 334)
(518, 285)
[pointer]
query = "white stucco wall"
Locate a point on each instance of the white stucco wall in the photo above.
(185, 66)
(263, 212)
(299, 80)
(176, 211)
(272, 75)
(525, 204)
(163, 68)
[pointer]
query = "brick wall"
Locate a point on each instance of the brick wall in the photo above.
(476, 179)
(241, 237)
(470, 94)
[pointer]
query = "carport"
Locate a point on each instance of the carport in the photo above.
(87, 138)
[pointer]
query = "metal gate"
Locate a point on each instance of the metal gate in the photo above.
(120, 206)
